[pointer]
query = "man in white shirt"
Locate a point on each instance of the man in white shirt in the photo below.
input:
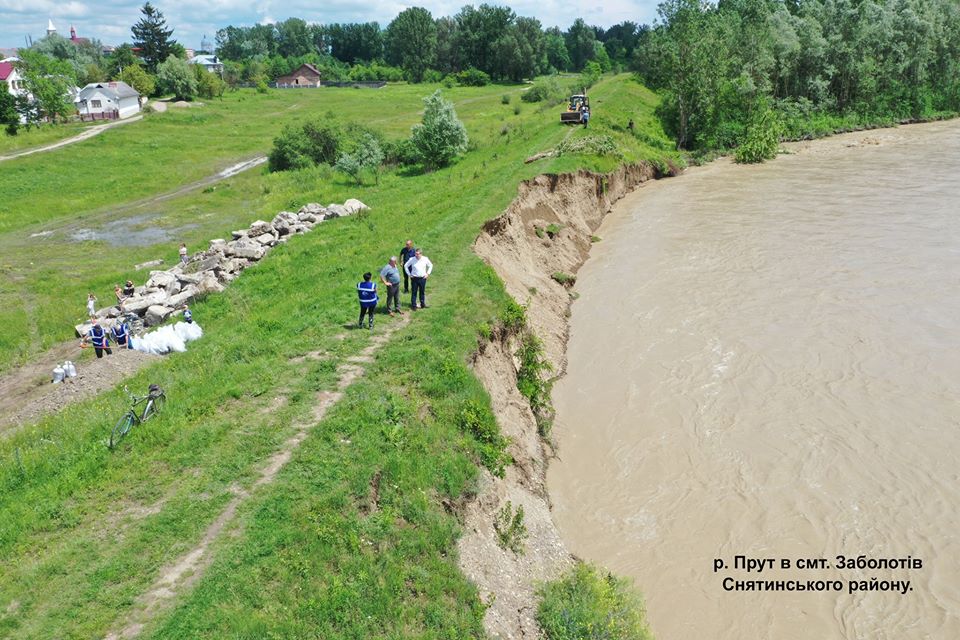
(418, 268)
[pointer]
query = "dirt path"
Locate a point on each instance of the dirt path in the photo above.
(179, 576)
(84, 135)
(26, 392)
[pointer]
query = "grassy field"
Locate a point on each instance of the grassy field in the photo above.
(39, 136)
(84, 532)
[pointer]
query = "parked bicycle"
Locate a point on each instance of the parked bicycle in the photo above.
(152, 405)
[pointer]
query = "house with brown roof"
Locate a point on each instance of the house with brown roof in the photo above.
(306, 76)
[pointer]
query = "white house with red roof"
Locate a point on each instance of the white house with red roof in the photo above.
(11, 75)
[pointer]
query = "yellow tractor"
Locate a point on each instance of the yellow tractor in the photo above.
(578, 110)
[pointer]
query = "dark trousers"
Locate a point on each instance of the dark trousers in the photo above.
(419, 286)
(406, 282)
(368, 311)
(100, 351)
(393, 294)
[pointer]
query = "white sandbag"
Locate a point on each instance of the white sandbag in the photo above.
(168, 338)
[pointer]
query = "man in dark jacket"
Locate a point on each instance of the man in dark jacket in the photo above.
(405, 254)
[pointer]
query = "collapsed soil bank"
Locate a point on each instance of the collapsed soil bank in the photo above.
(546, 230)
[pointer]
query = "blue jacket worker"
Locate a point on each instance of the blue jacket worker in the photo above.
(121, 334)
(187, 315)
(367, 292)
(99, 337)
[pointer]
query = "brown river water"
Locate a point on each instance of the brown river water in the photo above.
(765, 361)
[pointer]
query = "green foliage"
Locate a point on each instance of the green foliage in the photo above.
(473, 77)
(375, 71)
(590, 604)
(261, 85)
(478, 420)
(544, 90)
(400, 152)
(505, 98)
(763, 137)
(151, 35)
(595, 238)
(563, 278)
(532, 381)
(209, 85)
(516, 109)
(9, 115)
(135, 76)
(441, 136)
(590, 75)
(411, 42)
(305, 145)
(174, 76)
(366, 156)
(511, 531)
(49, 81)
(553, 229)
(601, 145)
(513, 316)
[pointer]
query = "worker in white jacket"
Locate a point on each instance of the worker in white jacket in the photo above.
(419, 269)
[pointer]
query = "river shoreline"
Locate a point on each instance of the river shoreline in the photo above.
(526, 259)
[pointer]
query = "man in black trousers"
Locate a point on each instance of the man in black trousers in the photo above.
(405, 254)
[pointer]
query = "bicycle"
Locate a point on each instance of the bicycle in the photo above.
(155, 399)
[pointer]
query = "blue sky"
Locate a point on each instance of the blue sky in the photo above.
(110, 20)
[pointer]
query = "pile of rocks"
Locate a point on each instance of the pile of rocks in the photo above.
(165, 292)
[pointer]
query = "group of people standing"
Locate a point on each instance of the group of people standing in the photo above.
(416, 268)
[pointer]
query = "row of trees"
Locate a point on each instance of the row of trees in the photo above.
(726, 68)
(492, 39)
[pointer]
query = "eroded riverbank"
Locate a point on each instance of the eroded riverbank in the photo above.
(762, 362)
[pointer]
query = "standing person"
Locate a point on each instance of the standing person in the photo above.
(119, 294)
(390, 277)
(121, 334)
(183, 253)
(99, 337)
(419, 269)
(405, 254)
(91, 304)
(367, 292)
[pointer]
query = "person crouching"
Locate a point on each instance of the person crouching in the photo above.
(121, 334)
(367, 292)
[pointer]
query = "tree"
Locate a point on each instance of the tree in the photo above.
(556, 50)
(411, 42)
(121, 58)
(367, 155)
(446, 58)
(175, 76)
(136, 77)
(153, 37)
(9, 115)
(209, 85)
(477, 33)
(441, 137)
(580, 39)
(49, 81)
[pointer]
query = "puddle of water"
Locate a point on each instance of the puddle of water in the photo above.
(135, 231)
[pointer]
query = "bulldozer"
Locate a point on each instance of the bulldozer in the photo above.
(578, 110)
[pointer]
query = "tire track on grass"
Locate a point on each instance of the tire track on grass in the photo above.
(179, 576)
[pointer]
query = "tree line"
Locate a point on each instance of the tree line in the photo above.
(741, 71)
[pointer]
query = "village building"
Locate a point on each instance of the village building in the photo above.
(306, 76)
(213, 64)
(11, 75)
(107, 101)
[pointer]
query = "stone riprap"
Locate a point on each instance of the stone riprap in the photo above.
(165, 292)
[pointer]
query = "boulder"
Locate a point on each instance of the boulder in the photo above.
(157, 313)
(206, 263)
(310, 216)
(218, 245)
(150, 263)
(184, 297)
(242, 233)
(244, 248)
(335, 211)
(160, 280)
(82, 329)
(189, 278)
(283, 221)
(209, 284)
(314, 208)
(266, 239)
(354, 206)
(259, 228)
(299, 228)
(139, 304)
(108, 312)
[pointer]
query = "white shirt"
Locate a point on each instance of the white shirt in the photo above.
(418, 268)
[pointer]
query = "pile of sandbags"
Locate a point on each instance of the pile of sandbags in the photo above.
(166, 339)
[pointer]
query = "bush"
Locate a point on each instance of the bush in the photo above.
(366, 155)
(400, 152)
(477, 420)
(590, 75)
(441, 137)
(511, 532)
(262, 86)
(565, 279)
(543, 90)
(209, 85)
(433, 76)
(505, 98)
(532, 382)
(762, 139)
(587, 604)
(473, 77)
(175, 76)
(304, 145)
(449, 81)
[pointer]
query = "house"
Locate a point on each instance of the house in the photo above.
(212, 64)
(306, 76)
(11, 75)
(107, 101)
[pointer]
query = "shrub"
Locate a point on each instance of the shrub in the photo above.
(590, 75)
(588, 603)
(477, 420)
(543, 90)
(209, 85)
(473, 77)
(262, 86)
(306, 144)
(516, 109)
(505, 98)
(441, 137)
(399, 152)
(513, 316)
(565, 279)
(532, 382)
(511, 532)
(762, 139)
(449, 82)
(432, 75)
(175, 76)
(366, 155)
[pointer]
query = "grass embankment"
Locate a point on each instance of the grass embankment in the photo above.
(105, 185)
(40, 136)
(84, 532)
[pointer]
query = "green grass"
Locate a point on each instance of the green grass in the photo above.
(84, 531)
(40, 136)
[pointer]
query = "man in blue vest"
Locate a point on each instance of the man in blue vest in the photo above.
(121, 334)
(367, 292)
(99, 337)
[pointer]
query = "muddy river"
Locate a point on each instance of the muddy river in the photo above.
(765, 362)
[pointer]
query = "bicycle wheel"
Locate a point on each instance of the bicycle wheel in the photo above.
(123, 428)
(154, 406)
